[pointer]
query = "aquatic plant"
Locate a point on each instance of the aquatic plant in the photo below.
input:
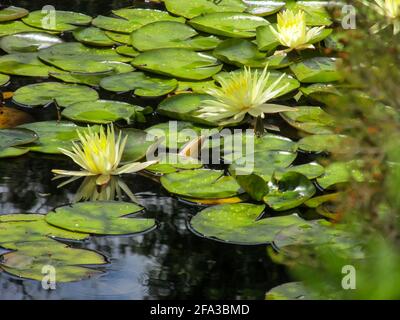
(292, 31)
(99, 154)
(390, 9)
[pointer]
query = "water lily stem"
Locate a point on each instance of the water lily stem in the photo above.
(259, 129)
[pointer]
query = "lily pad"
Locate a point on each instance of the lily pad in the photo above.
(254, 185)
(14, 27)
(24, 64)
(229, 24)
(184, 107)
(310, 119)
(12, 13)
(315, 11)
(311, 170)
(201, 184)
(4, 79)
(93, 36)
(240, 224)
(195, 86)
(194, 8)
(119, 37)
(263, 8)
(338, 173)
(140, 83)
(101, 111)
(172, 163)
(180, 63)
(137, 145)
(58, 21)
(317, 201)
(325, 143)
(28, 42)
(42, 94)
(16, 137)
(100, 217)
(319, 69)
(321, 92)
(290, 291)
(169, 34)
(292, 190)
(127, 51)
(75, 57)
(12, 152)
(143, 17)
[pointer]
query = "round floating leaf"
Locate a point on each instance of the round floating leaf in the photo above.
(137, 144)
(168, 34)
(24, 64)
(31, 258)
(145, 16)
(28, 42)
(180, 63)
(41, 94)
(201, 184)
(195, 86)
(290, 291)
(12, 152)
(262, 163)
(317, 201)
(263, 8)
(76, 57)
(140, 83)
(319, 69)
(321, 92)
(16, 137)
(13, 27)
(194, 8)
(292, 190)
(325, 142)
(173, 163)
(101, 111)
(254, 185)
(228, 24)
(4, 79)
(185, 107)
(56, 21)
(240, 224)
(100, 217)
(119, 37)
(12, 13)
(339, 173)
(52, 135)
(310, 119)
(127, 51)
(311, 170)
(93, 36)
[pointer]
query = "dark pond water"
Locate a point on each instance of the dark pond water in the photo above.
(167, 263)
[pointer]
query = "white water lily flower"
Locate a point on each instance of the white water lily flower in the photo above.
(292, 31)
(244, 92)
(389, 9)
(99, 154)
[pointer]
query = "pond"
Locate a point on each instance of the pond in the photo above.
(170, 262)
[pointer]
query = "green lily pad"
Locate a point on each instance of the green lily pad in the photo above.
(100, 217)
(325, 143)
(317, 201)
(172, 163)
(63, 20)
(12, 152)
(180, 63)
(194, 8)
(101, 111)
(263, 8)
(240, 224)
(143, 17)
(28, 42)
(254, 185)
(229, 24)
(12, 13)
(14, 27)
(4, 79)
(93, 36)
(321, 92)
(16, 137)
(315, 11)
(119, 37)
(310, 119)
(185, 107)
(24, 64)
(137, 145)
(201, 184)
(52, 135)
(169, 34)
(311, 170)
(140, 83)
(75, 57)
(292, 190)
(42, 94)
(338, 173)
(23, 228)
(290, 291)
(69, 263)
(195, 86)
(319, 69)
(262, 163)
(127, 51)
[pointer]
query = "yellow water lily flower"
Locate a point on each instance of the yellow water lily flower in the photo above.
(243, 92)
(292, 31)
(389, 9)
(99, 154)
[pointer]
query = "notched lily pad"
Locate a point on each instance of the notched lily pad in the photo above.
(319, 69)
(93, 36)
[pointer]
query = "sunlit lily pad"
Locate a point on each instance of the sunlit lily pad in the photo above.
(201, 184)
(143, 17)
(319, 69)
(127, 51)
(180, 63)
(122, 38)
(321, 92)
(311, 170)
(69, 264)
(12, 152)
(292, 190)
(240, 224)
(263, 8)
(12, 13)
(325, 143)
(24, 64)
(184, 107)
(14, 27)
(140, 83)
(310, 119)
(4, 79)
(16, 137)
(76, 57)
(195, 86)
(62, 21)
(93, 36)
(169, 34)
(100, 217)
(101, 111)
(340, 172)
(290, 291)
(228, 24)
(28, 42)
(254, 185)
(172, 163)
